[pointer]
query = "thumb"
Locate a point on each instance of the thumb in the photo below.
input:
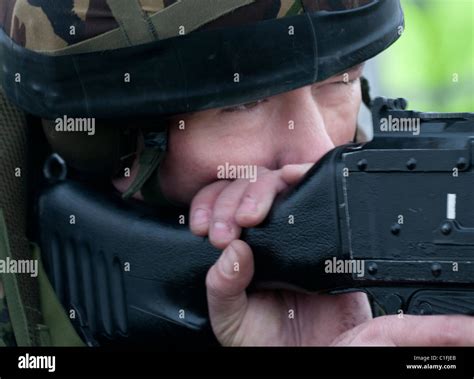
(226, 282)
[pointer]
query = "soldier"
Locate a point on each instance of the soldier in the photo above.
(298, 106)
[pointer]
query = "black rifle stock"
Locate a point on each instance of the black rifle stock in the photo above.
(401, 207)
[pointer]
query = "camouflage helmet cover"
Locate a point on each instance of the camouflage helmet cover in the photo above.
(49, 26)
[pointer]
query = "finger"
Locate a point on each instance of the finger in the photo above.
(258, 199)
(413, 331)
(293, 173)
(431, 330)
(223, 228)
(201, 207)
(226, 283)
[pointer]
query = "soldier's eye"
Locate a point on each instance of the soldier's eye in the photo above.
(346, 82)
(244, 107)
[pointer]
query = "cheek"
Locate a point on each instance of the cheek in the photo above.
(341, 119)
(195, 153)
(188, 165)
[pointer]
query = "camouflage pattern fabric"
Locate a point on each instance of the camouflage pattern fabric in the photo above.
(45, 25)
(7, 337)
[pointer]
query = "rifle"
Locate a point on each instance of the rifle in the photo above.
(393, 217)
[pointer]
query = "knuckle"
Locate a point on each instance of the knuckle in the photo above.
(224, 205)
(208, 192)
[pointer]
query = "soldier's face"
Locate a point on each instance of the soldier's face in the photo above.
(294, 127)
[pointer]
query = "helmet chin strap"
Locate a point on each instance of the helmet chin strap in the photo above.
(150, 159)
(147, 179)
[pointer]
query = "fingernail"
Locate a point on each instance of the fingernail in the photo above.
(249, 205)
(221, 228)
(200, 217)
(228, 260)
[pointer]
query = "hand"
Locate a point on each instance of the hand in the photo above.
(264, 318)
(221, 209)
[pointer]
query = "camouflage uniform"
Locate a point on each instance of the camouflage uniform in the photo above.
(6, 331)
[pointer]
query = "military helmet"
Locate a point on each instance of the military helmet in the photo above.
(140, 58)
(125, 62)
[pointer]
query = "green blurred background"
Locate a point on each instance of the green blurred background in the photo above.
(432, 65)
